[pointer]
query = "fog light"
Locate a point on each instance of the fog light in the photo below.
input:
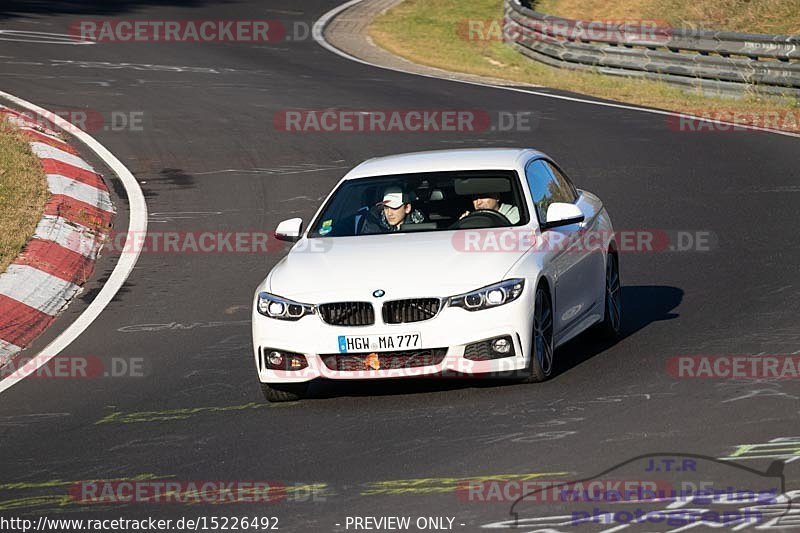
(501, 345)
(283, 360)
(275, 358)
(488, 349)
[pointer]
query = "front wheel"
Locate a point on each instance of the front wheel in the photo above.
(284, 392)
(542, 347)
(611, 326)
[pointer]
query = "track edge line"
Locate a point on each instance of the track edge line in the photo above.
(137, 209)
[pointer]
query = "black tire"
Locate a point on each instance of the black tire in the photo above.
(540, 366)
(284, 392)
(611, 326)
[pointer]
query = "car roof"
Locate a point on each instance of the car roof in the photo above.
(444, 160)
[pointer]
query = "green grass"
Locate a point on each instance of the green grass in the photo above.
(431, 32)
(753, 16)
(23, 192)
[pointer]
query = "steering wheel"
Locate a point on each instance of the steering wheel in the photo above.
(482, 218)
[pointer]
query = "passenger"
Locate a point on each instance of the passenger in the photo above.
(396, 210)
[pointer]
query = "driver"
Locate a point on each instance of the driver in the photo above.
(396, 211)
(492, 202)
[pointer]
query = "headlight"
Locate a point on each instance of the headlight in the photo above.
(281, 308)
(491, 296)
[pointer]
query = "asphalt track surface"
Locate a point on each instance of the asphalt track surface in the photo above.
(209, 159)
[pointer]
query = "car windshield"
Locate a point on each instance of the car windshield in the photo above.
(422, 202)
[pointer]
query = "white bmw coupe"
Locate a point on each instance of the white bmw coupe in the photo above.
(454, 262)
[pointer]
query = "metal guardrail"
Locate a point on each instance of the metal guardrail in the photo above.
(718, 61)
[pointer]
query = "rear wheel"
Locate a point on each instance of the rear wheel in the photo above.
(542, 347)
(611, 326)
(284, 392)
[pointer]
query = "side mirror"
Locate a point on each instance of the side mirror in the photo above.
(289, 230)
(562, 214)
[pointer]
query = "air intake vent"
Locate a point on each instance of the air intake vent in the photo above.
(411, 310)
(347, 313)
(385, 360)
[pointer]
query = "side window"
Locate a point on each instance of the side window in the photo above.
(565, 190)
(542, 185)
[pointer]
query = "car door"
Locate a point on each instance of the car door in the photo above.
(591, 271)
(566, 257)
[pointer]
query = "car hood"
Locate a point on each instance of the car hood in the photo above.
(403, 265)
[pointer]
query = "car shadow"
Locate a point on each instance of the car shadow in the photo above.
(641, 305)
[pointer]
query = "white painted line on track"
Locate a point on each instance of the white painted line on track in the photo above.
(137, 224)
(318, 34)
(41, 37)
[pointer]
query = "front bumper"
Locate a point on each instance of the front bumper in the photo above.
(453, 329)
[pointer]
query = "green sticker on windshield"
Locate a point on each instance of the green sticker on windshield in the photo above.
(327, 226)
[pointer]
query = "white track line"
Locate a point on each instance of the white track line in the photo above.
(318, 34)
(25, 36)
(125, 264)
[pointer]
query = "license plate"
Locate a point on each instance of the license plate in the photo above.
(378, 343)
